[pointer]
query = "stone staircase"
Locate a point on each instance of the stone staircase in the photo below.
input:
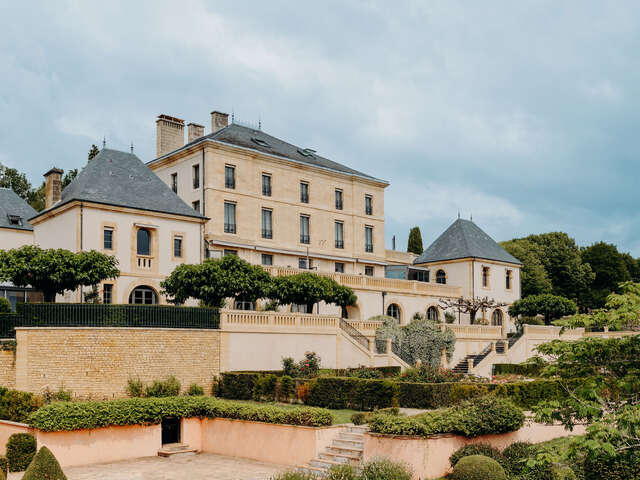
(347, 448)
(172, 449)
(463, 365)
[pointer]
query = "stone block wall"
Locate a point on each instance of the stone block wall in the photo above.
(97, 362)
(7, 368)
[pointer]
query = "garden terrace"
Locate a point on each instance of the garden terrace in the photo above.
(92, 315)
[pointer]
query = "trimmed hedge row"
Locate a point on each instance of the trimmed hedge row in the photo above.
(352, 392)
(526, 369)
(64, 416)
(479, 416)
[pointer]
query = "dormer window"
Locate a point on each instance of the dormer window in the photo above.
(306, 152)
(259, 141)
(15, 220)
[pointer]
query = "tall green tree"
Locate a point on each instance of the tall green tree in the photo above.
(610, 270)
(308, 289)
(53, 271)
(551, 307)
(69, 177)
(633, 266)
(93, 151)
(534, 278)
(15, 180)
(215, 280)
(414, 245)
(36, 198)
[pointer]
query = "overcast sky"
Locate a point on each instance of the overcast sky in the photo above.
(522, 114)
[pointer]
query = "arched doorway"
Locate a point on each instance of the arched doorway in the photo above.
(433, 314)
(143, 295)
(393, 310)
(496, 318)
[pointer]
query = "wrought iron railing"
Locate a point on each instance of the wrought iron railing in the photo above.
(304, 239)
(7, 325)
(267, 233)
(339, 243)
(397, 350)
(230, 228)
(482, 355)
(354, 333)
(101, 315)
(368, 247)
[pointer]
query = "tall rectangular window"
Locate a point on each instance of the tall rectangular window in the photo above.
(266, 185)
(196, 205)
(267, 259)
(339, 234)
(267, 231)
(174, 182)
(229, 217)
(368, 239)
(485, 277)
(304, 229)
(177, 247)
(368, 205)
(108, 238)
(196, 176)
(107, 293)
(338, 195)
(304, 192)
(229, 176)
(339, 267)
(304, 263)
(368, 270)
(507, 280)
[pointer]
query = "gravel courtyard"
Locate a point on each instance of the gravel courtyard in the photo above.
(194, 467)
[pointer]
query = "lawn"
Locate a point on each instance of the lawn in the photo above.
(339, 416)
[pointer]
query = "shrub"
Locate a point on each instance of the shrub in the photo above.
(525, 369)
(295, 475)
(385, 469)
(438, 395)
(356, 393)
(342, 472)
(310, 365)
(4, 465)
(237, 386)
(428, 374)
(286, 387)
(624, 466)
(290, 367)
(529, 394)
(21, 448)
(61, 395)
(563, 473)
(302, 392)
(472, 418)
(195, 390)
(359, 418)
(17, 406)
(516, 456)
(135, 387)
(364, 373)
(478, 467)
(5, 305)
(44, 466)
(478, 449)
(149, 411)
(168, 388)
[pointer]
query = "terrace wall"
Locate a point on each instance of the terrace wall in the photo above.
(7, 368)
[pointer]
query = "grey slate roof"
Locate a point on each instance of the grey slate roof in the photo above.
(241, 136)
(464, 239)
(12, 204)
(121, 179)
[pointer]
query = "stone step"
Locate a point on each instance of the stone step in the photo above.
(348, 442)
(345, 448)
(311, 469)
(339, 456)
(351, 436)
(357, 429)
(172, 449)
(325, 463)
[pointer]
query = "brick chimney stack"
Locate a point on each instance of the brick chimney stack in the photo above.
(52, 187)
(219, 120)
(169, 134)
(194, 131)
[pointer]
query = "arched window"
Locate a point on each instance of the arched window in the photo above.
(143, 295)
(496, 318)
(485, 277)
(441, 277)
(393, 310)
(144, 241)
(432, 314)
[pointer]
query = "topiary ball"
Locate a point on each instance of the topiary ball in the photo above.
(44, 466)
(516, 455)
(21, 448)
(478, 449)
(478, 467)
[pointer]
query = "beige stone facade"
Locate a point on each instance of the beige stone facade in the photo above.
(98, 362)
(7, 368)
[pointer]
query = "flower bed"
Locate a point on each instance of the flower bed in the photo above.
(65, 416)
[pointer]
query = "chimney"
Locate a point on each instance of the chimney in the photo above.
(194, 131)
(53, 187)
(169, 134)
(219, 120)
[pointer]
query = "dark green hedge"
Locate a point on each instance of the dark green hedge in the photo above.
(528, 394)
(526, 369)
(21, 448)
(438, 395)
(4, 466)
(237, 386)
(65, 416)
(352, 392)
(17, 406)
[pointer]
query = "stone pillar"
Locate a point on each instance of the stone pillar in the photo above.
(493, 347)
(52, 187)
(469, 365)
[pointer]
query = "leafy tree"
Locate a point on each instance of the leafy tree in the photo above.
(414, 245)
(214, 280)
(633, 267)
(470, 305)
(93, 151)
(308, 289)
(69, 177)
(533, 276)
(421, 339)
(610, 269)
(55, 270)
(601, 378)
(5, 305)
(621, 311)
(550, 306)
(15, 180)
(36, 198)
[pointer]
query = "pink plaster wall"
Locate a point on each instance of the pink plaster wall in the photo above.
(429, 457)
(7, 429)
